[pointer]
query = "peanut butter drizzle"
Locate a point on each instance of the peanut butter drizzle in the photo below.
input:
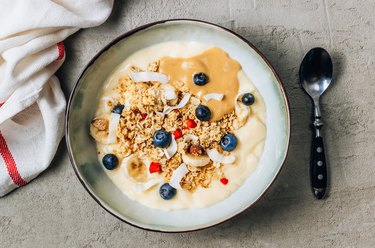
(222, 78)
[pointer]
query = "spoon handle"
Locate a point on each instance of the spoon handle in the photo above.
(318, 166)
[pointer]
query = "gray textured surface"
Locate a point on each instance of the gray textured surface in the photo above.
(55, 210)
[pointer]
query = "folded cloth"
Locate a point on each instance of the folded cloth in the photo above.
(32, 104)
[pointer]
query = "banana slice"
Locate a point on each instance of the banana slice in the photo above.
(99, 129)
(196, 161)
(242, 112)
(135, 169)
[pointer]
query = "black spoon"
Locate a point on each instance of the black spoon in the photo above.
(315, 75)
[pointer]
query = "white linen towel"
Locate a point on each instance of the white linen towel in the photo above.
(32, 105)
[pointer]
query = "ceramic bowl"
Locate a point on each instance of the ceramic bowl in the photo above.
(84, 98)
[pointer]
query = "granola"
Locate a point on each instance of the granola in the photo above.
(135, 131)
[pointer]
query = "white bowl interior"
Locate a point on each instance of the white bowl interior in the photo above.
(85, 98)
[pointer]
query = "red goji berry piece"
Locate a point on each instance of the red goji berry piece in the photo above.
(224, 181)
(177, 134)
(154, 167)
(190, 124)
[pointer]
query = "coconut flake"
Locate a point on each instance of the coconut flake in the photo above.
(169, 94)
(181, 104)
(167, 91)
(220, 158)
(190, 137)
(114, 120)
(140, 187)
(183, 101)
(166, 111)
(172, 149)
(177, 175)
(128, 104)
(148, 76)
(213, 96)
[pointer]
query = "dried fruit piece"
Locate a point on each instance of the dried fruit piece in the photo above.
(177, 134)
(224, 181)
(100, 124)
(143, 116)
(196, 149)
(190, 124)
(155, 167)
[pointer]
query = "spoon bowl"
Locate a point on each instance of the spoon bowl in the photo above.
(316, 72)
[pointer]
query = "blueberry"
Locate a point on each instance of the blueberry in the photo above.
(118, 109)
(167, 192)
(200, 78)
(162, 138)
(248, 99)
(110, 161)
(228, 142)
(203, 113)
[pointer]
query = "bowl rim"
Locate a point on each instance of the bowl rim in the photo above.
(131, 32)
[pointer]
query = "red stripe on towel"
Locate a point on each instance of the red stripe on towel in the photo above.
(61, 49)
(10, 163)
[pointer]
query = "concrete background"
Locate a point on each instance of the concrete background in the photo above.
(55, 211)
